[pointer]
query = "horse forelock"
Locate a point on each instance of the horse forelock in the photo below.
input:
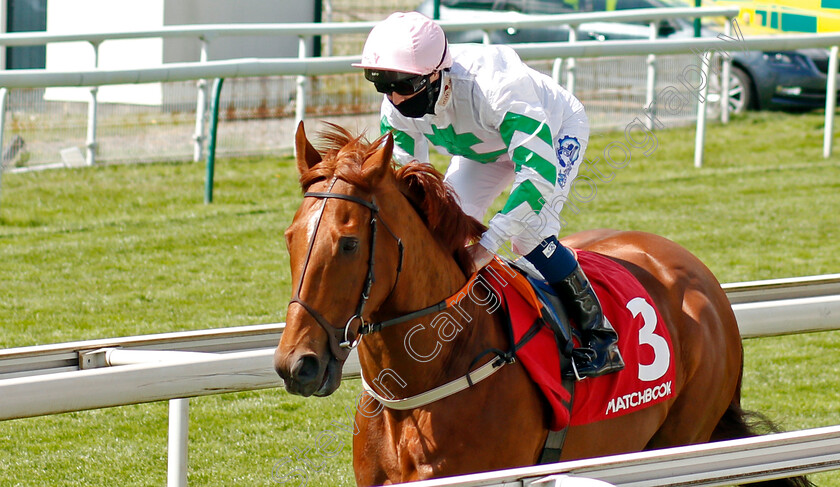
(342, 158)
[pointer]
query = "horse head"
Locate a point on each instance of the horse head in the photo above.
(348, 245)
(332, 244)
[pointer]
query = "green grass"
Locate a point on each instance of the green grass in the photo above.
(128, 250)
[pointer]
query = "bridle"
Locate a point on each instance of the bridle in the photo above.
(344, 339)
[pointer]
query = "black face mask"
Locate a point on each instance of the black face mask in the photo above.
(422, 103)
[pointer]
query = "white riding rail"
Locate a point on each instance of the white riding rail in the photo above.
(59, 378)
(207, 33)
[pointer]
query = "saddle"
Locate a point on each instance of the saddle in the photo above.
(543, 339)
(551, 311)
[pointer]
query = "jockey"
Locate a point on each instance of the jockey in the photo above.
(502, 122)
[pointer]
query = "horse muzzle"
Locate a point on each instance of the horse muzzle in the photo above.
(308, 374)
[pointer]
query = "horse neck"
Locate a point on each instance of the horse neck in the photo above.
(428, 274)
(429, 350)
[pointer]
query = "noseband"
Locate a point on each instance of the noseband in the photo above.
(343, 340)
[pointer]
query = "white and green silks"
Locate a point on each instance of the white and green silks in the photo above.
(503, 123)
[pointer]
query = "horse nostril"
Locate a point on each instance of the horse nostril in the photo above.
(306, 369)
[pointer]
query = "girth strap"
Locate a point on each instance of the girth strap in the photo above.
(553, 447)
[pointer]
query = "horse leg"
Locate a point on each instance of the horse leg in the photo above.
(739, 423)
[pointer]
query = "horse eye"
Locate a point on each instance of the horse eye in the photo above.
(348, 245)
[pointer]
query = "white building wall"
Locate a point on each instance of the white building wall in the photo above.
(184, 12)
(74, 16)
(66, 16)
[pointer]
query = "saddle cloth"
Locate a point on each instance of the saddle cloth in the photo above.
(644, 342)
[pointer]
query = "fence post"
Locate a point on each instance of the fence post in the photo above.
(725, 76)
(557, 69)
(700, 139)
(90, 142)
(830, 103)
(571, 64)
(3, 93)
(211, 144)
(300, 94)
(650, 97)
(179, 419)
(200, 108)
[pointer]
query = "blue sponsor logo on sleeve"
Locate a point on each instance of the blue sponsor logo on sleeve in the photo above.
(568, 152)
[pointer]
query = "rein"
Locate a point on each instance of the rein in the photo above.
(343, 340)
(472, 377)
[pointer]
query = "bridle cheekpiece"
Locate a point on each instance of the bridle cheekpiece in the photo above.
(344, 339)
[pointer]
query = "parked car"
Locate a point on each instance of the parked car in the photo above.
(759, 80)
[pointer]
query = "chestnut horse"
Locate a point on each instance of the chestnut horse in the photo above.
(372, 243)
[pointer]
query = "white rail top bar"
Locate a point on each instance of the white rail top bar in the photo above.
(677, 46)
(64, 357)
(210, 31)
(247, 334)
(131, 384)
(39, 78)
(763, 308)
(786, 316)
(180, 375)
(49, 391)
(755, 319)
(722, 463)
(787, 288)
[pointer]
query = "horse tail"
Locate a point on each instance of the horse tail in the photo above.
(740, 423)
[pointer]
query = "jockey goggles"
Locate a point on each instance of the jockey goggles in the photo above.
(403, 84)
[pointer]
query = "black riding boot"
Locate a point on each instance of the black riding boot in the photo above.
(599, 353)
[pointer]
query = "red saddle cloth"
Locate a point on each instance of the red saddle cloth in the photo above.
(644, 342)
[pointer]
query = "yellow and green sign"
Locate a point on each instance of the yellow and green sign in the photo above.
(787, 15)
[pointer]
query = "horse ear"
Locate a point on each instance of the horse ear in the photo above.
(306, 155)
(375, 166)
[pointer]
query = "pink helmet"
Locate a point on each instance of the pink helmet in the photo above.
(408, 42)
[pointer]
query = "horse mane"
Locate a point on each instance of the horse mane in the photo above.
(437, 204)
(434, 200)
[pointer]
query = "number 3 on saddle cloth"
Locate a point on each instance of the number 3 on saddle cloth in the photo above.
(644, 342)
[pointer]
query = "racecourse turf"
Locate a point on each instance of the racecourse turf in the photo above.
(131, 249)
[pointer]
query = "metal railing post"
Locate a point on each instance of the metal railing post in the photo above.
(300, 93)
(211, 144)
(90, 140)
(650, 97)
(179, 419)
(700, 139)
(557, 69)
(3, 92)
(830, 103)
(328, 17)
(571, 64)
(200, 108)
(725, 75)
